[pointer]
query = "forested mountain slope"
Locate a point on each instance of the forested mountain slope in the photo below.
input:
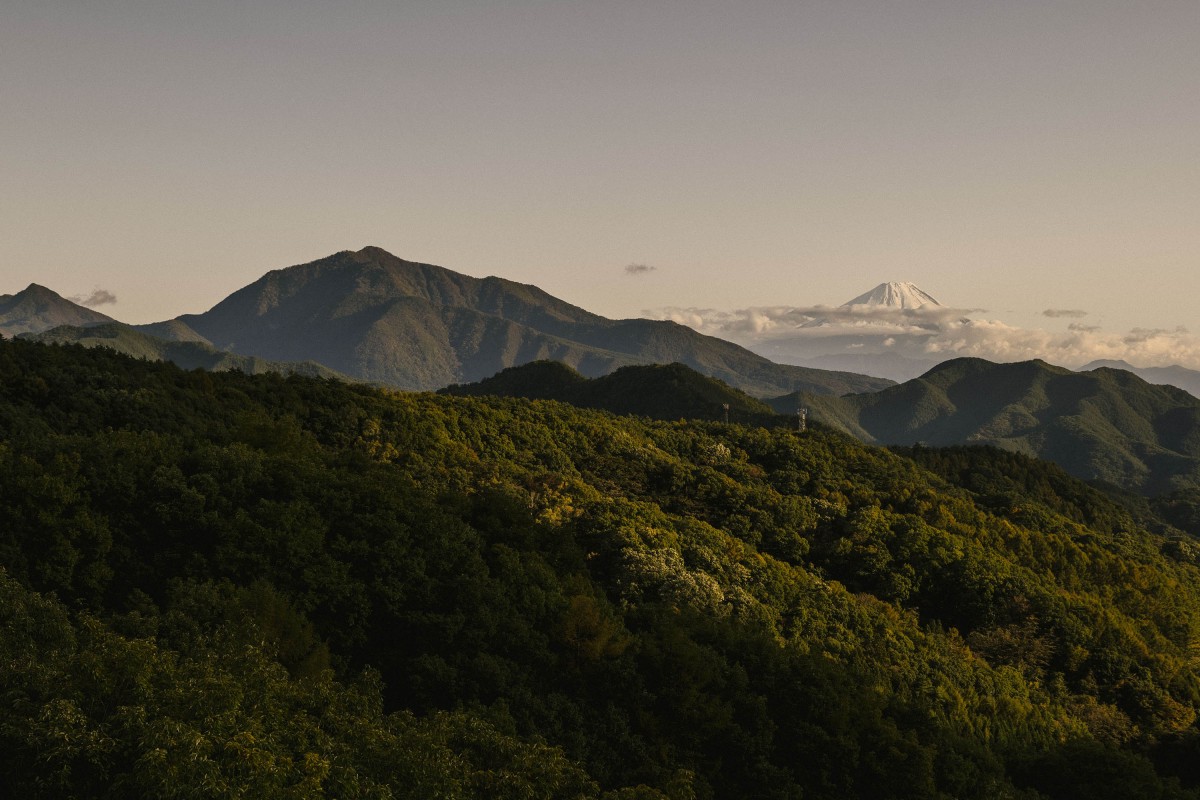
(1106, 424)
(218, 584)
(1175, 375)
(659, 391)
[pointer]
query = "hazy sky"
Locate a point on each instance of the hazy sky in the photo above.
(1012, 156)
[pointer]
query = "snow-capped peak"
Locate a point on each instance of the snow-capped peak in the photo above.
(894, 295)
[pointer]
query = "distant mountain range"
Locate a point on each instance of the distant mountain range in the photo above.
(1182, 377)
(375, 317)
(371, 316)
(368, 315)
(1105, 424)
(658, 391)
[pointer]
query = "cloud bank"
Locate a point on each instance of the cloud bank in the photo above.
(100, 297)
(928, 335)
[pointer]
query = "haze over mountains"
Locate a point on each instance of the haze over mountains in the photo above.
(1181, 377)
(186, 353)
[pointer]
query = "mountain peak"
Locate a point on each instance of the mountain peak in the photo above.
(373, 316)
(35, 309)
(376, 253)
(894, 295)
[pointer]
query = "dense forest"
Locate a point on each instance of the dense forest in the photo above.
(232, 585)
(658, 391)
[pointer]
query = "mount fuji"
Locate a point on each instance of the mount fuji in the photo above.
(894, 295)
(861, 335)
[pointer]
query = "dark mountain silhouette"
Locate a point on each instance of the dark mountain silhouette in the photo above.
(37, 309)
(659, 391)
(375, 317)
(1105, 424)
(187, 354)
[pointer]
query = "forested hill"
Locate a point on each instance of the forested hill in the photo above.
(1107, 424)
(218, 584)
(658, 391)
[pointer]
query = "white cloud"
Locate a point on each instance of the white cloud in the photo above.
(798, 333)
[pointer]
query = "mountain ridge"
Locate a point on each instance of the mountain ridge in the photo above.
(1107, 425)
(185, 353)
(380, 318)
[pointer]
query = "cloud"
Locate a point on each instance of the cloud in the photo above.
(815, 321)
(639, 269)
(1072, 313)
(99, 297)
(796, 334)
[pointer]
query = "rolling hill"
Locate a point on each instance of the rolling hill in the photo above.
(1106, 424)
(376, 317)
(293, 588)
(658, 391)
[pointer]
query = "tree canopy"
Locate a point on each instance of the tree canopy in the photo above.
(219, 584)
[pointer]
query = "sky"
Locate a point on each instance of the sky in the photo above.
(635, 158)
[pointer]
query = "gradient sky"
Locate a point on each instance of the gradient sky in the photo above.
(1012, 156)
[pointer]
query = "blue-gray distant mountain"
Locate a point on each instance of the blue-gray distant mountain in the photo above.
(36, 309)
(376, 317)
(892, 366)
(1182, 377)
(183, 352)
(1105, 424)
